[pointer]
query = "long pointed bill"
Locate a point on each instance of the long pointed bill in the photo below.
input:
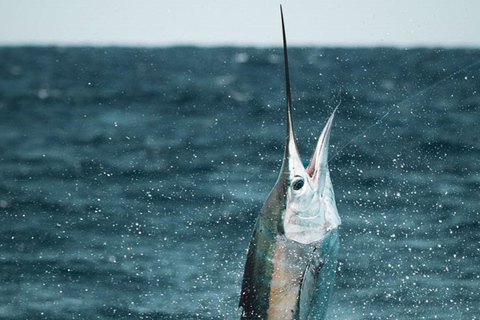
(318, 167)
(291, 162)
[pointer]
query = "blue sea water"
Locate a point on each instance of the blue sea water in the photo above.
(130, 178)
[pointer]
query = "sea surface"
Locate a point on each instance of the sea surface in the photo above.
(130, 178)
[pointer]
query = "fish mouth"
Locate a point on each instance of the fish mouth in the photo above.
(318, 167)
(292, 164)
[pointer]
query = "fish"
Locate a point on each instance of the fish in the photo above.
(292, 256)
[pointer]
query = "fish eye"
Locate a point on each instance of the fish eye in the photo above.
(298, 184)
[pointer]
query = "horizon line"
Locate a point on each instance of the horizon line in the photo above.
(234, 45)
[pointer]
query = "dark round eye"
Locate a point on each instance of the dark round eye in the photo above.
(297, 184)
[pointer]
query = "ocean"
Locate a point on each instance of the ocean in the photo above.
(130, 178)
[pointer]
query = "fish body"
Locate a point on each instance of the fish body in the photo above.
(292, 255)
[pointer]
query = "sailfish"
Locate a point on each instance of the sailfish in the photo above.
(292, 256)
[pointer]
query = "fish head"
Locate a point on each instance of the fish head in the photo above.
(309, 208)
(302, 203)
(307, 186)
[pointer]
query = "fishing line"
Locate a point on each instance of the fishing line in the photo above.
(403, 102)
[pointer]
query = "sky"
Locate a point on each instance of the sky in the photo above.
(401, 23)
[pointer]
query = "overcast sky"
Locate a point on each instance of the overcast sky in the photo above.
(244, 22)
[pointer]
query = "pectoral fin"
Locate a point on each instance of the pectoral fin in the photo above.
(309, 284)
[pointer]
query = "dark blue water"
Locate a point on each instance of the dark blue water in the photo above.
(130, 179)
